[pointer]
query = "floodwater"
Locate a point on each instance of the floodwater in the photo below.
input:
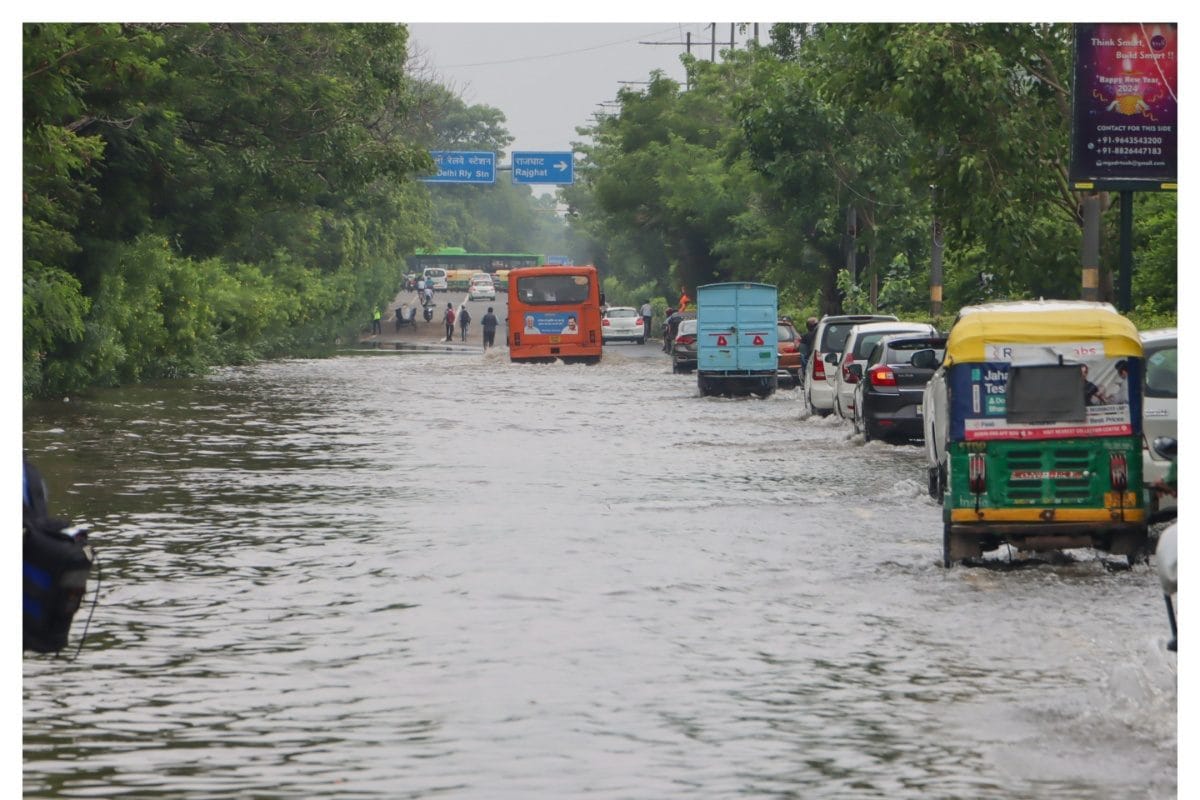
(447, 576)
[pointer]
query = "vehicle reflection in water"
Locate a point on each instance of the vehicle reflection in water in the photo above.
(424, 575)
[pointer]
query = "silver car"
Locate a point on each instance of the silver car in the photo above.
(829, 337)
(1160, 413)
(684, 351)
(848, 366)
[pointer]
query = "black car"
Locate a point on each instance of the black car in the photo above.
(888, 398)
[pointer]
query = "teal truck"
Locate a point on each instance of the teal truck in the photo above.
(737, 338)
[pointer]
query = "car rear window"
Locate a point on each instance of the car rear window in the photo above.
(1162, 371)
(866, 343)
(785, 333)
(687, 326)
(833, 339)
(621, 312)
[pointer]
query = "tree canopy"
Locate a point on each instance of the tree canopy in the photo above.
(208, 193)
(820, 162)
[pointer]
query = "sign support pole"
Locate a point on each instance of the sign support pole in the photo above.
(1125, 279)
(1091, 247)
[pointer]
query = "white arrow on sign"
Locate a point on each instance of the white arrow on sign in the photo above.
(560, 166)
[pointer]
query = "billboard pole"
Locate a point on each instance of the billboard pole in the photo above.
(1125, 279)
(1091, 247)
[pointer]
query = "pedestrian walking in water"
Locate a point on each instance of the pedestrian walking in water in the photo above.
(448, 318)
(376, 327)
(464, 320)
(489, 323)
(647, 312)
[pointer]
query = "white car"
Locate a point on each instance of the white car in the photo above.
(847, 366)
(435, 278)
(482, 288)
(1160, 413)
(829, 337)
(622, 323)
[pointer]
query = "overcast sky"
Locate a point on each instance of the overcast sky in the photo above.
(550, 78)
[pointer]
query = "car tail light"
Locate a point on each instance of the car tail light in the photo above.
(606, 322)
(1118, 472)
(882, 375)
(818, 366)
(977, 473)
(685, 339)
(847, 375)
(516, 340)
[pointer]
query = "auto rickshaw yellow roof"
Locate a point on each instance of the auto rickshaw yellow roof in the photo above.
(1040, 322)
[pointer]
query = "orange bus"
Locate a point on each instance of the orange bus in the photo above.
(554, 312)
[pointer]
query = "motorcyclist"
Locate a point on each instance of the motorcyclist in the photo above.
(668, 336)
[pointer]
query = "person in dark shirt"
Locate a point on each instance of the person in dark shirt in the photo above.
(806, 340)
(489, 324)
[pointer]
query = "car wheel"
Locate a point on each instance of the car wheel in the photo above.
(642, 340)
(946, 562)
(866, 431)
(933, 482)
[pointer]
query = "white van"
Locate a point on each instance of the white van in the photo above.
(435, 276)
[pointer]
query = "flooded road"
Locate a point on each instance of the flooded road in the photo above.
(428, 575)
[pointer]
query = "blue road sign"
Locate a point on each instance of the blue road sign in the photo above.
(463, 166)
(532, 167)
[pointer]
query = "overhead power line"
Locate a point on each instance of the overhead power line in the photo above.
(556, 55)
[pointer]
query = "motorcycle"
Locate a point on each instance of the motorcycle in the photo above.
(427, 309)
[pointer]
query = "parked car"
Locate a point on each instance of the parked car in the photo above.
(790, 355)
(848, 364)
(683, 351)
(829, 337)
(887, 401)
(1160, 415)
(482, 287)
(670, 327)
(622, 324)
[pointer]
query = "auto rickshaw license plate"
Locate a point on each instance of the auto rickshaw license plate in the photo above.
(555, 339)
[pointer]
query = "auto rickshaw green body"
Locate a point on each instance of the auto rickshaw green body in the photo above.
(1040, 409)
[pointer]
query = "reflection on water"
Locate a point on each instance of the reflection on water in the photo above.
(450, 576)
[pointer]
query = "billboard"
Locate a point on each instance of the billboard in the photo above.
(1125, 120)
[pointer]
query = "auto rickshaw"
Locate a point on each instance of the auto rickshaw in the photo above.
(1033, 430)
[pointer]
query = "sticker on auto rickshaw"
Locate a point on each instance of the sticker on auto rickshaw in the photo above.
(1045, 391)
